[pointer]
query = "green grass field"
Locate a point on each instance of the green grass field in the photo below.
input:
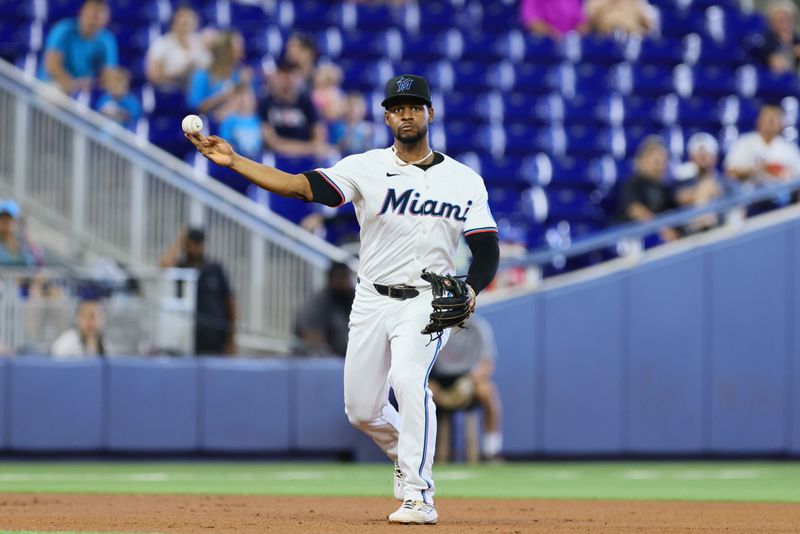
(739, 481)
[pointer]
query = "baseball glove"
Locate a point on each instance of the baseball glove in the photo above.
(451, 302)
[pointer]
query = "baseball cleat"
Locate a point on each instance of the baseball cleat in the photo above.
(399, 483)
(416, 512)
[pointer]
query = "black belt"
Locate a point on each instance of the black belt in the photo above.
(397, 292)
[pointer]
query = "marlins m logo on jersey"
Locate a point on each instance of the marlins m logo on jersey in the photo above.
(404, 84)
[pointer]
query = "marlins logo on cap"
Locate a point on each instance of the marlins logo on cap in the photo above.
(409, 85)
(404, 84)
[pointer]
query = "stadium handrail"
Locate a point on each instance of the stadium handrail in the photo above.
(637, 230)
(178, 173)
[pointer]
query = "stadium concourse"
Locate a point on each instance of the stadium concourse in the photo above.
(551, 126)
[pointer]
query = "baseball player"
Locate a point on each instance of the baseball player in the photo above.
(412, 204)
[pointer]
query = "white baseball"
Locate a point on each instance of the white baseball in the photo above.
(192, 124)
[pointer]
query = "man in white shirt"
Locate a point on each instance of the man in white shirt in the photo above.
(764, 156)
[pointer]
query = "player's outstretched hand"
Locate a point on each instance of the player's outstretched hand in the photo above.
(213, 147)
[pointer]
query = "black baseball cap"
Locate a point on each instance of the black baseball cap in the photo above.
(407, 85)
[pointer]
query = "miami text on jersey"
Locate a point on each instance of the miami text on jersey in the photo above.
(410, 199)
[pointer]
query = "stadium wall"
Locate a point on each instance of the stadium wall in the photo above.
(695, 353)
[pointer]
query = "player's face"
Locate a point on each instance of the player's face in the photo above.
(408, 120)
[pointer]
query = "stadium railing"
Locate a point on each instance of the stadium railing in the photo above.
(627, 241)
(109, 193)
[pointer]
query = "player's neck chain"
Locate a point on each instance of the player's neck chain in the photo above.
(403, 163)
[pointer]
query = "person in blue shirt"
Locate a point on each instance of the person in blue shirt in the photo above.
(213, 90)
(77, 50)
(243, 127)
(14, 249)
(117, 102)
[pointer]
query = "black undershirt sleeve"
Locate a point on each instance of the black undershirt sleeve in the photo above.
(485, 249)
(322, 191)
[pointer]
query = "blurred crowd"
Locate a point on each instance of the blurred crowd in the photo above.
(296, 107)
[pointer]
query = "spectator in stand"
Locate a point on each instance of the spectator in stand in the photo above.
(242, 127)
(553, 19)
(173, 57)
(215, 316)
(78, 50)
(646, 194)
(329, 99)
(15, 251)
(289, 121)
(779, 47)
(117, 102)
(213, 90)
(356, 135)
(699, 182)
(764, 155)
(301, 50)
(607, 17)
(462, 376)
(86, 337)
(322, 323)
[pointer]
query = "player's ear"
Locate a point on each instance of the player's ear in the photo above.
(386, 116)
(431, 114)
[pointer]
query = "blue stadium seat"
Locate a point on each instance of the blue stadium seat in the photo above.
(677, 23)
(466, 136)
(665, 52)
(526, 108)
(536, 79)
(460, 106)
(713, 81)
(587, 141)
(427, 46)
(699, 112)
(498, 15)
(601, 50)
(641, 111)
(311, 16)
(436, 16)
(716, 53)
(166, 133)
(360, 75)
(773, 86)
(587, 109)
(540, 50)
(544, 171)
(522, 140)
(481, 47)
(370, 17)
(506, 170)
(644, 80)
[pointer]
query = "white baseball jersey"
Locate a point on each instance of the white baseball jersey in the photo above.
(411, 219)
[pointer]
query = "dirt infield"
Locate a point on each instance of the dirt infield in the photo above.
(179, 513)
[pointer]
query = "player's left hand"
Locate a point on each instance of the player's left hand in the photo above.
(448, 310)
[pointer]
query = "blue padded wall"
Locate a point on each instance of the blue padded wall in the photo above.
(319, 422)
(515, 326)
(153, 404)
(750, 342)
(583, 367)
(56, 404)
(3, 402)
(244, 405)
(666, 366)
